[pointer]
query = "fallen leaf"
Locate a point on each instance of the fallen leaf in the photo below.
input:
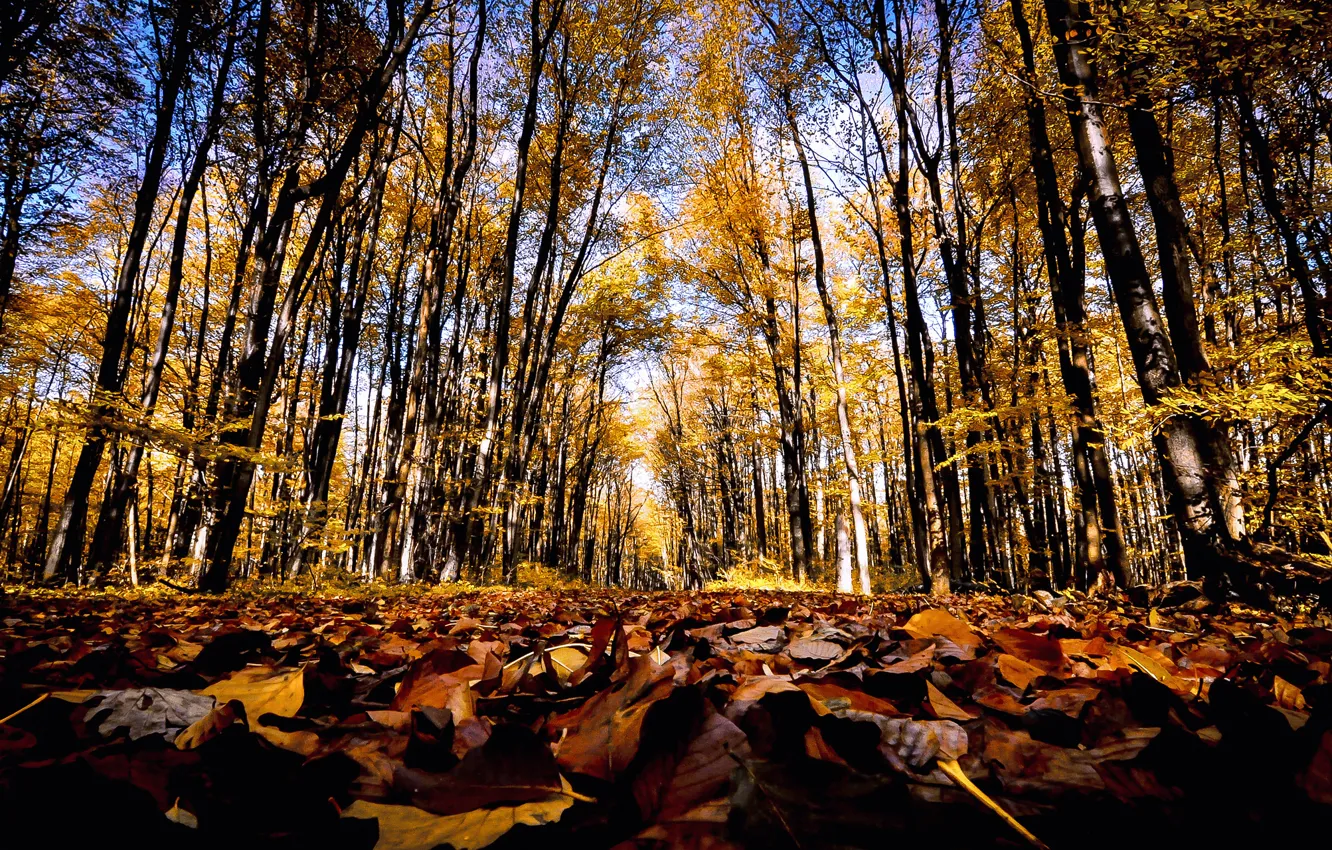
(440, 679)
(410, 828)
(150, 711)
(211, 725)
(602, 736)
(760, 638)
(913, 743)
(176, 814)
(807, 649)
(1066, 700)
(1018, 672)
(936, 621)
(1287, 695)
(943, 707)
(512, 766)
(1041, 652)
(262, 690)
(678, 782)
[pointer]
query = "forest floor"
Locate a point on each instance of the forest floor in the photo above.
(599, 718)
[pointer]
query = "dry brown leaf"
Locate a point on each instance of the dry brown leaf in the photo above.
(602, 737)
(807, 649)
(943, 707)
(1018, 672)
(1037, 650)
(677, 783)
(913, 743)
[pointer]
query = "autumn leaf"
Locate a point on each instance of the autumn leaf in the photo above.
(211, 725)
(1041, 652)
(936, 621)
(1020, 673)
(149, 711)
(603, 735)
(941, 706)
(262, 690)
(512, 766)
(677, 778)
(410, 828)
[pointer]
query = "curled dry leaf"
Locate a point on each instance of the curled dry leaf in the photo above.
(907, 743)
(211, 725)
(1287, 695)
(176, 814)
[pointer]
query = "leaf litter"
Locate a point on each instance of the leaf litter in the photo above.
(611, 719)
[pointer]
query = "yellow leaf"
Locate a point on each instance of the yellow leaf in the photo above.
(1287, 695)
(566, 659)
(936, 621)
(176, 814)
(262, 690)
(410, 828)
(1146, 664)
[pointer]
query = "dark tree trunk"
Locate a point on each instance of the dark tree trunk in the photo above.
(67, 544)
(1194, 456)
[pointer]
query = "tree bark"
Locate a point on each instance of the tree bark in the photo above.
(67, 544)
(1195, 460)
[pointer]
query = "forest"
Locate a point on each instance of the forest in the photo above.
(649, 423)
(869, 296)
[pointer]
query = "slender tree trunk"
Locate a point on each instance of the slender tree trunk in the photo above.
(67, 544)
(107, 537)
(835, 352)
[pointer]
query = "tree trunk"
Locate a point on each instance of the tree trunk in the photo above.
(1195, 460)
(107, 536)
(67, 544)
(835, 352)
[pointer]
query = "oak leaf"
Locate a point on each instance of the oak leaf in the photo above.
(150, 711)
